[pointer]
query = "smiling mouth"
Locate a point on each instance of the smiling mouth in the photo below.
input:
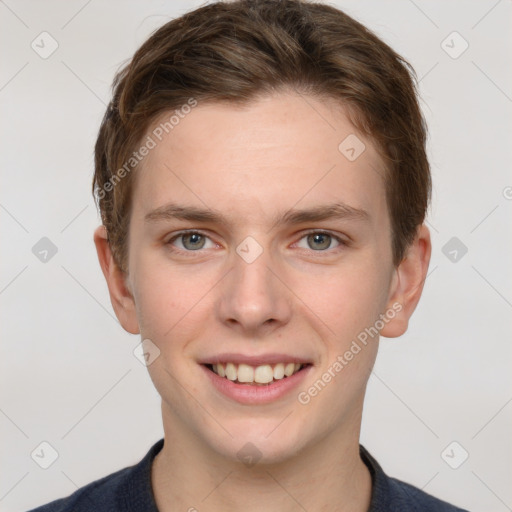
(255, 375)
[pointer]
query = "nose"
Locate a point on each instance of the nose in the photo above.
(253, 298)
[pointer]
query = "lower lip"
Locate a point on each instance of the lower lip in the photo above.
(257, 394)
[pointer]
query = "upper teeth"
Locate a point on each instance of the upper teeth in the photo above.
(261, 374)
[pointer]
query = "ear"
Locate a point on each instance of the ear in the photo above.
(407, 284)
(117, 282)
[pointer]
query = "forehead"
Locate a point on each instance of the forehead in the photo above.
(271, 154)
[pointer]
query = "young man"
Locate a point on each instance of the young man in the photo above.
(262, 180)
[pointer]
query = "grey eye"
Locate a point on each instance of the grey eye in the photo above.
(193, 241)
(319, 241)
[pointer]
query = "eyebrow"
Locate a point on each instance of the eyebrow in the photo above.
(338, 210)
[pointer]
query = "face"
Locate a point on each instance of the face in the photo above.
(259, 251)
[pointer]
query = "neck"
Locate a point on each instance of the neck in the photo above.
(327, 476)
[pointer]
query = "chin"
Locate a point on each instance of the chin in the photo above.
(260, 442)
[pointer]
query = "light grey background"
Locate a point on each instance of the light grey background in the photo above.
(68, 373)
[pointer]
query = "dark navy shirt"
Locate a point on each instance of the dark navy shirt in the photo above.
(129, 490)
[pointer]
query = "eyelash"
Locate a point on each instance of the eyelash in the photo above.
(341, 241)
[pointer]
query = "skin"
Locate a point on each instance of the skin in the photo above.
(300, 297)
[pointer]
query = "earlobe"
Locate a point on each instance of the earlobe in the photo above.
(407, 284)
(121, 295)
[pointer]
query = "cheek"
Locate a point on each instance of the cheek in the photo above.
(350, 306)
(168, 305)
(158, 301)
(169, 300)
(347, 301)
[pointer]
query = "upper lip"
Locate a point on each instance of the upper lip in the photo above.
(254, 360)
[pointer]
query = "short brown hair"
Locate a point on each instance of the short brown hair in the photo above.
(236, 51)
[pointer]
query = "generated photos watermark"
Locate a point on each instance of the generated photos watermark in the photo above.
(151, 142)
(305, 397)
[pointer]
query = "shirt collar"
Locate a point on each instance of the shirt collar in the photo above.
(139, 493)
